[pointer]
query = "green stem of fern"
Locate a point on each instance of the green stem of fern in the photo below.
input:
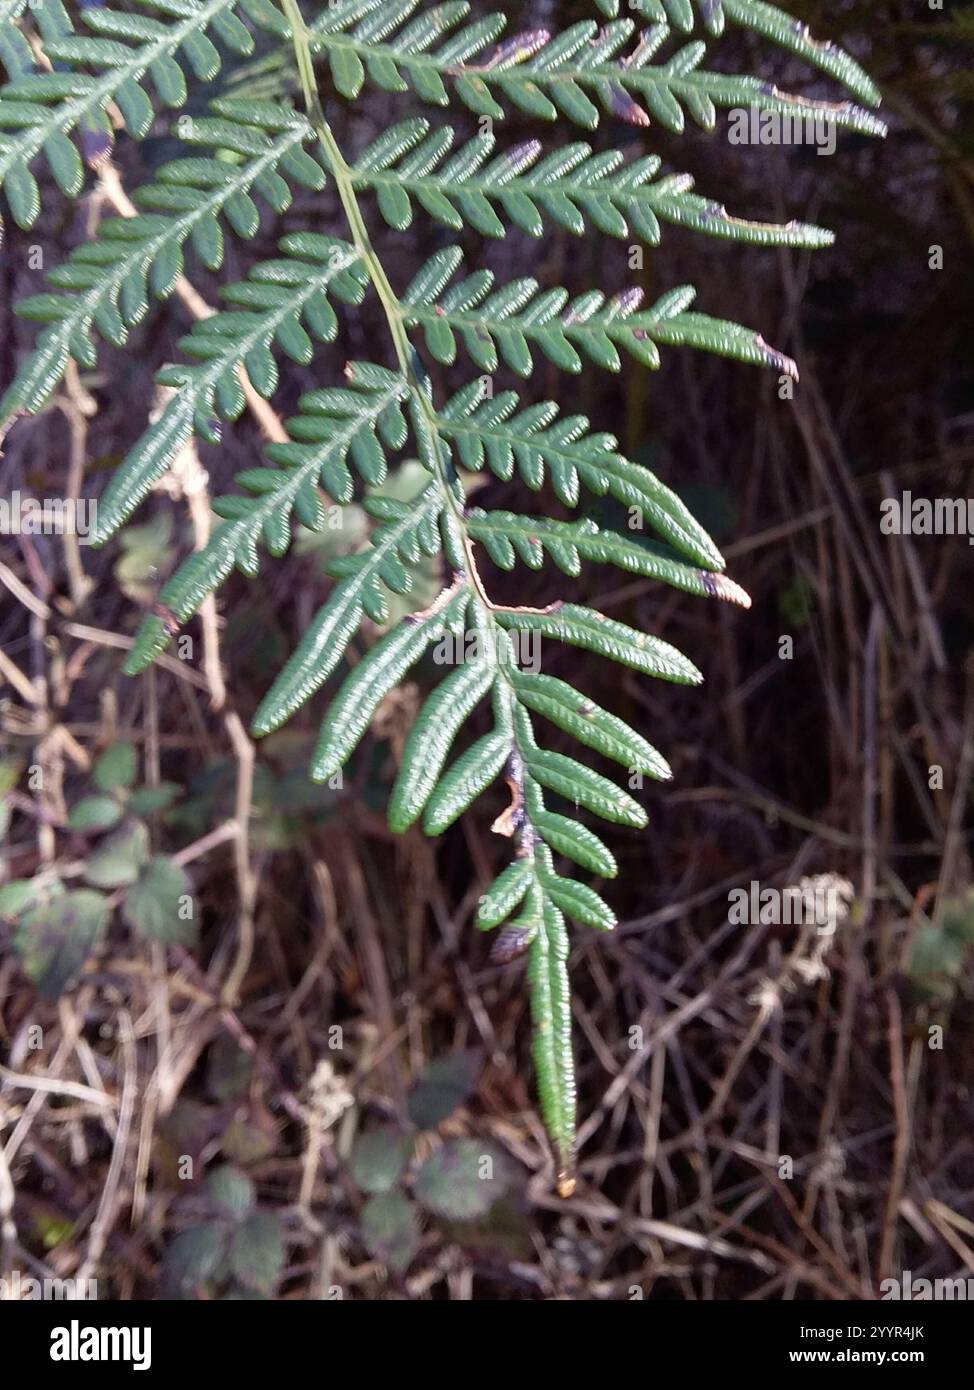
(342, 174)
(547, 972)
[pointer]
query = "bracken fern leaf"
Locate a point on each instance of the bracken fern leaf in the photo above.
(70, 87)
(40, 110)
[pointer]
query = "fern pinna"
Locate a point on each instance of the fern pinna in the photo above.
(76, 84)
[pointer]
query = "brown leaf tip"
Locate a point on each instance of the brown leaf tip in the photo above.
(719, 586)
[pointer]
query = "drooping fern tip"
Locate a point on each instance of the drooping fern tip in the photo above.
(78, 87)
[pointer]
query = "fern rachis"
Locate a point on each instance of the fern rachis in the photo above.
(344, 433)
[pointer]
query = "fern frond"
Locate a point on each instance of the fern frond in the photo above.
(579, 784)
(579, 74)
(465, 780)
(282, 306)
(537, 439)
(431, 738)
(576, 842)
(15, 54)
(375, 675)
(551, 1015)
(120, 61)
(354, 423)
(508, 538)
(768, 21)
(572, 187)
(421, 785)
(42, 109)
(588, 722)
(502, 324)
(104, 286)
(584, 627)
(407, 533)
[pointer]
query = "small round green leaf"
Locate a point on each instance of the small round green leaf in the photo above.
(159, 906)
(444, 1086)
(257, 1253)
(390, 1229)
(463, 1180)
(55, 938)
(94, 813)
(380, 1157)
(118, 859)
(232, 1192)
(115, 768)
